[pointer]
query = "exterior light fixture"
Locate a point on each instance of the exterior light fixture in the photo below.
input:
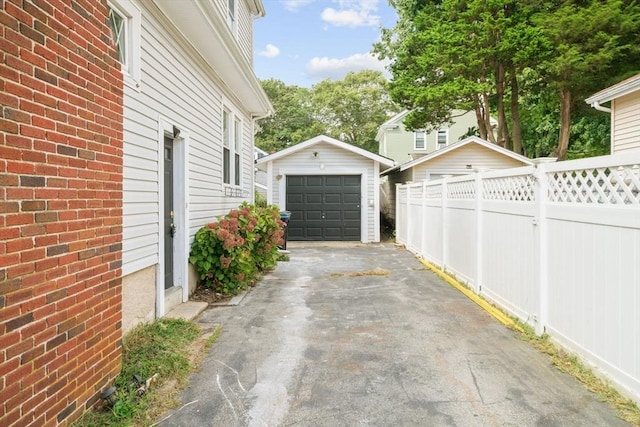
(109, 396)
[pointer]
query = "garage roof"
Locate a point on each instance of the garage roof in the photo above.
(327, 140)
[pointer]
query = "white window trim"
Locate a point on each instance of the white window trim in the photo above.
(235, 123)
(446, 133)
(131, 12)
(232, 16)
(415, 140)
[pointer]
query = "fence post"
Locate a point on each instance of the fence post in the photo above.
(478, 207)
(541, 199)
(445, 223)
(409, 221)
(423, 237)
(397, 214)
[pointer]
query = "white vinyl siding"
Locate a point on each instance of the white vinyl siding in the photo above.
(334, 161)
(625, 123)
(175, 87)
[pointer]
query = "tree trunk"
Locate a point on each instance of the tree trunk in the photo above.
(565, 124)
(487, 118)
(503, 130)
(516, 129)
(480, 118)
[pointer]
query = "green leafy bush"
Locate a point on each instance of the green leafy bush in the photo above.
(229, 253)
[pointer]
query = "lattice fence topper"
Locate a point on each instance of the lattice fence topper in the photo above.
(609, 186)
(465, 190)
(510, 188)
(434, 191)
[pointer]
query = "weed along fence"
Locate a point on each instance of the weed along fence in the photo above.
(556, 245)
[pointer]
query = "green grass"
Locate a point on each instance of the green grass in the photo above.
(572, 365)
(162, 348)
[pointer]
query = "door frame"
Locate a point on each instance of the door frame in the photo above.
(181, 209)
(364, 186)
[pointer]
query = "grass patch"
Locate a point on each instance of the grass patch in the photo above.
(213, 337)
(163, 348)
(374, 272)
(572, 365)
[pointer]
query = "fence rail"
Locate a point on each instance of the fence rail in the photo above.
(557, 245)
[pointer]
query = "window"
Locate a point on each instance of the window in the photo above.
(237, 149)
(231, 149)
(226, 148)
(231, 15)
(442, 138)
(419, 140)
(124, 23)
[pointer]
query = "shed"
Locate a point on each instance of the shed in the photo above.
(329, 186)
(464, 157)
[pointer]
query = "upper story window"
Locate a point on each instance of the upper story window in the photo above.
(419, 140)
(442, 138)
(124, 23)
(231, 15)
(231, 149)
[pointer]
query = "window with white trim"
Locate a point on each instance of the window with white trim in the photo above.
(237, 150)
(419, 140)
(231, 148)
(124, 22)
(442, 138)
(226, 147)
(231, 15)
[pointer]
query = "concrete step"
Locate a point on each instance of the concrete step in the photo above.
(187, 310)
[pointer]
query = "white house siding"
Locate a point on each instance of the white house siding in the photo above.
(625, 123)
(335, 161)
(174, 86)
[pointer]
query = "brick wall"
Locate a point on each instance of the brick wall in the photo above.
(60, 209)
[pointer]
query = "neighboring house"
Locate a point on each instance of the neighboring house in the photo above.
(260, 175)
(190, 102)
(625, 113)
(401, 145)
(470, 155)
(60, 210)
(330, 187)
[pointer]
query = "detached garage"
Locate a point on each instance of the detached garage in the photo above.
(330, 187)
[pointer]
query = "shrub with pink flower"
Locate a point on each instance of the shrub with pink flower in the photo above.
(229, 253)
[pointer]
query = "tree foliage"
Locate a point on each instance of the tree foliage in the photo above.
(351, 110)
(471, 55)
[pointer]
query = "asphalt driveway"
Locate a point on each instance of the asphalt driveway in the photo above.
(315, 345)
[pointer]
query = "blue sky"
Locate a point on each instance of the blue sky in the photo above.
(302, 42)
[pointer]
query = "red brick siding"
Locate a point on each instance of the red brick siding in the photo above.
(60, 209)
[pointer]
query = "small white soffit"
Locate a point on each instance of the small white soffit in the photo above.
(202, 24)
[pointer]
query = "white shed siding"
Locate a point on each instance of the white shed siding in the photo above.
(334, 161)
(174, 86)
(626, 123)
(457, 160)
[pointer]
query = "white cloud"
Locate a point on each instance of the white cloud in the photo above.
(352, 13)
(337, 68)
(293, 5)
(270, 51)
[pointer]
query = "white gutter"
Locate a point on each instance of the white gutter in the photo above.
(599, 107)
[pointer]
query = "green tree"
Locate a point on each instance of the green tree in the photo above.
(450, 55)
(352, 109)
(595, 43)
(292, 121)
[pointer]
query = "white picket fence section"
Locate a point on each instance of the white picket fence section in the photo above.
(556, 245)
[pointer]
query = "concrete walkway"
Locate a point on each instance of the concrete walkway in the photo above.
(313, 345)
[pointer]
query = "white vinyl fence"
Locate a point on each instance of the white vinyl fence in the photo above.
(556, 245)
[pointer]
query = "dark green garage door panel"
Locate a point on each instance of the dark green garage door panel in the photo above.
(324, 207)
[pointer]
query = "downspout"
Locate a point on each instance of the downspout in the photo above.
(599, 107)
